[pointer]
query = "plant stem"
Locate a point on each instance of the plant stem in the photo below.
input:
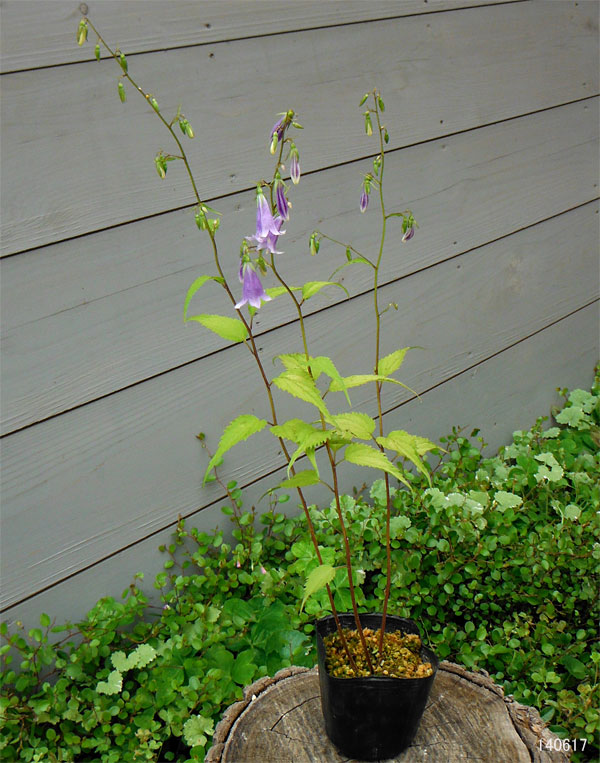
(253, 349)
(335, 490)
(378, 384)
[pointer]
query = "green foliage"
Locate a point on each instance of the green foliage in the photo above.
(497, 561)
(237, 430)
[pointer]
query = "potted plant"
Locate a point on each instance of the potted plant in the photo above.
(375, 674)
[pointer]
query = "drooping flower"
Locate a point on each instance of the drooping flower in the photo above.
(410, 232)
(364, 200)
(265, 223)
(294, 165)
(281, 200)
(278, 127)
(252, 288)
(267, 243)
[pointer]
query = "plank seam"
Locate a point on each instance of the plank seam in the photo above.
(215, 199)
(273, 471)
(271, 34)
(262, 334)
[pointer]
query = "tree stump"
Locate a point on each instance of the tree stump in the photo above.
(467, 718)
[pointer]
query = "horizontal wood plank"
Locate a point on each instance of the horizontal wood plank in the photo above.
(108, 473)
(38, 33)
(87, 317)
(89, 159)
(519, 384)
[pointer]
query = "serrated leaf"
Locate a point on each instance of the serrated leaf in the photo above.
(122, 662)
(301, 385)
(323, 364)
(403, 444)
(392, 362)
(277, 291)
(231, 329)
(308, 444)
(318, 578)
(198, 284)
(365, 455)
(507, 500)
(301, 479)
(357, 380)
(311, 288)
(196, 729)
(293, 361)
(355, 424)
(144, 654)
(112, 685)
(294, 430)
(237, 430)
(353, 261)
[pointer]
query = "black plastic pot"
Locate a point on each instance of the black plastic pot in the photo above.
(375, 717)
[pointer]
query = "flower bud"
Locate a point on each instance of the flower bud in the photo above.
(153, 103)
(386, 137)
(188, 129)
(200, 218)
(364, 201)
(314, 244)
(363, 99)
(348, 254)
(122, 94)
(274, 142)
(161, 165)
(97, 51)
(377, 164)
(123, 62)
(82, 32)
(381, 103)
(368, 125)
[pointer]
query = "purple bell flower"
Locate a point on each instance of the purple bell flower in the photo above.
(281, 201)
(364, 200)
(265, 223)
(409, 234)
(267, 243)
(278, 128)
(295, 168)
(252, 288)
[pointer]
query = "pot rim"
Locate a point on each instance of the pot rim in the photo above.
(429, 653)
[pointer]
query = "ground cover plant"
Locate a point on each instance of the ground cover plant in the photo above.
(497, 561)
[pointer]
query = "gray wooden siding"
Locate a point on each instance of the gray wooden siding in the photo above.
(493, 116)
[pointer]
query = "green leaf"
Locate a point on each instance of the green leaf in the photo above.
(355, 424)
(294, 430)
(122, 662)
(311, 288)
(392, 362)
(507, 500)
(301, 479)
(196, 729)
(239, 429)
(231, 329)
(318, 365)
(353, 261)
(144, 654)
(357, 380)
(308, 444)
(572, 511)
(402, 443)
(575, 667)
(365, 455)
(198, 283)
(301, 385)
(277, 291)
(244, 669)
(45, 620)
(318, 578)
(112, 685)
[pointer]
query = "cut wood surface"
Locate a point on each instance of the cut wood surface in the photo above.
(467, 718)
(42, 33)
(116, 318)
(165, 480)
(92, 157)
